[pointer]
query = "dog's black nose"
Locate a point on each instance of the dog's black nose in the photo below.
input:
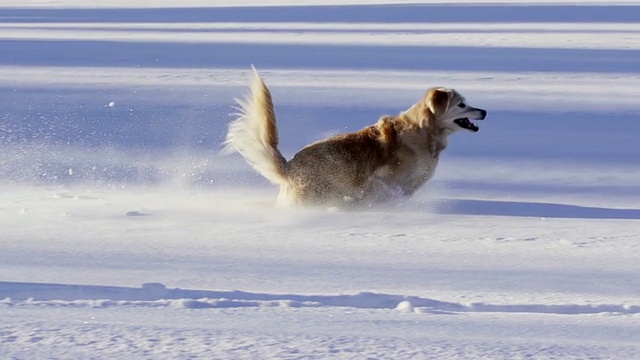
(483, 113)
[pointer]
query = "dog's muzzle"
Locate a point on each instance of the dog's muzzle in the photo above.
(465, 123)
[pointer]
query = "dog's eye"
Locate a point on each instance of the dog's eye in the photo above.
(461, 105)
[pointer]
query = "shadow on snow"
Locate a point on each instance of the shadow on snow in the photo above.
(434, 13)
(157, 295)
(533, 209)
(225, 55)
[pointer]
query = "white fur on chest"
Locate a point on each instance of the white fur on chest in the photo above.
(416, 159)
(409, 178)
(424, 160)
(425, 168)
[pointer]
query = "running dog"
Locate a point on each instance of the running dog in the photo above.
(390, 159)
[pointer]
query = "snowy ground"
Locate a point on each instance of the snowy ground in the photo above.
(125, 234)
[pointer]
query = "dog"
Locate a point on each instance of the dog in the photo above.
(388, 160)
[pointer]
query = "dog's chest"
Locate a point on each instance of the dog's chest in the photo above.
(418, 161)
(423, 170)
(409, 173)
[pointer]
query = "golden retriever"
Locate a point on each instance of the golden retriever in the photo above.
(390, 159)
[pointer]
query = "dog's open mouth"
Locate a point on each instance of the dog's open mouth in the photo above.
(465, 123)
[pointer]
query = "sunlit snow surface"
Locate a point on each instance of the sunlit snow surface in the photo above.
(125, 234)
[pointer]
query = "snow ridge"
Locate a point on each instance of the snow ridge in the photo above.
(156, 295)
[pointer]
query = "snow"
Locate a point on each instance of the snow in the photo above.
(126, 234)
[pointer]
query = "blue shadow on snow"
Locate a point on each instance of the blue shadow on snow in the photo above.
(407, 13)
(206, 299)
(533, 209)
(211, 55)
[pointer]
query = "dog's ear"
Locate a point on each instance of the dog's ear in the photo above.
(388, 133)
(438, 101)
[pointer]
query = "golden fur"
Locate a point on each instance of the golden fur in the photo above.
(392, 158)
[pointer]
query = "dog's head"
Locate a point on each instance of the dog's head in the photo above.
(450, 110)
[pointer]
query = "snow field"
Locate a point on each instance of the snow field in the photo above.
(125, 234)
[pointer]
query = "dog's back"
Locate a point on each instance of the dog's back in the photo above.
(338, 170)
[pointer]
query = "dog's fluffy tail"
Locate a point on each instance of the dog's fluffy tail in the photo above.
(254, 135)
